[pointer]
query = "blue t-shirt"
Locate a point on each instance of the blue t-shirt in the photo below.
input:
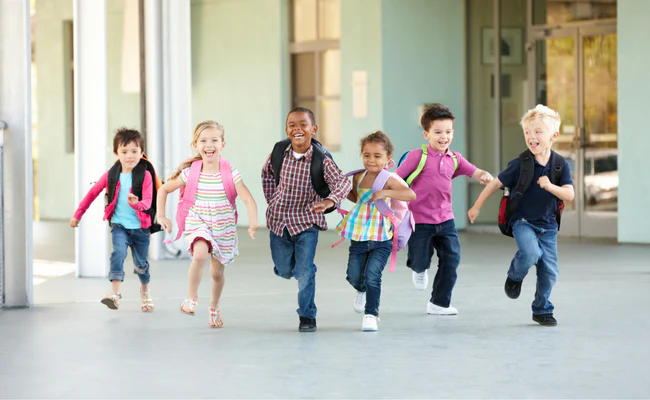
(536, 205)
(124, 214)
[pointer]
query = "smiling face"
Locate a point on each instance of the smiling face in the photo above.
(300, 130)
(374, 156)
(538, 136)
(440, 134)
(129, 156)
(209, 144)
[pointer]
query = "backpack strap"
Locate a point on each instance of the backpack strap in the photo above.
(137, 178)
(277, 158)
(455, 158)
(113, 178)
(420, 167)
(526, 171)
(228, 183)
(316, 169)
(557, 169)
(188, 193)
(387, 212)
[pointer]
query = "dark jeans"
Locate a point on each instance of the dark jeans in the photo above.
(293, 256)
(138, 240)
(443, 238)
(536, 246)
(365, 265)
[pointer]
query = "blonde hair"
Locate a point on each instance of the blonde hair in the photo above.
(203, 125)
(549, 117)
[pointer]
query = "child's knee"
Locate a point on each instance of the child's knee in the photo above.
(141, 269)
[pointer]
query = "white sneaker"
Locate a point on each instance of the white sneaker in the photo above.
(359, 303)
(421, 280)
(369, 323)
(437, 310)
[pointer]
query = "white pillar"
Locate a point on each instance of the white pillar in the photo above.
(18, 193)
(90, 131)
(177, 94)
(154, 107)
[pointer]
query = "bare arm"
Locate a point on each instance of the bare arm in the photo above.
(395, 190)
(352, 196)
(482, 176)
(565, 192)
(251, 207)
(161, 201)
(487, 192)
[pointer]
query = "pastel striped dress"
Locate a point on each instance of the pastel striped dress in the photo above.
(212, 217)
(364, 222)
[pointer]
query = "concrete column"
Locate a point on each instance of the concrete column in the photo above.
(91, 131)
(177, 94)
(15, 110)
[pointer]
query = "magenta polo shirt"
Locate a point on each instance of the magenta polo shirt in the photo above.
(433, 185)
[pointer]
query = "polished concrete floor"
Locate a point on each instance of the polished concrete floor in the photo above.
(71, 346)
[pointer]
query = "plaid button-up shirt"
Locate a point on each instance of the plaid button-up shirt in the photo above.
(289, 203)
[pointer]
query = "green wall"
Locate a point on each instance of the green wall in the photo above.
(633, 105)
(423, 62)
(239, 78)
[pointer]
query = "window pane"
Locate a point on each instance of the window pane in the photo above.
(549, 12)
(330, 71)
(304, 20)
(329, 122)
(304, 76)
(329, 19)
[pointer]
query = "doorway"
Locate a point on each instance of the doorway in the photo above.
(574, 70)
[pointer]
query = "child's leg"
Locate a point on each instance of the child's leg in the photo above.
(377, 258)
(448, 247)
(547, 272)
(140, 239)
(528, 250)
(200, 254)
(357, 265)
(282, 253)
(217, 273)
(305, 271)
(420, 248)
(120, 241)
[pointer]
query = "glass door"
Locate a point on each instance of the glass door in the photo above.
(575, 72)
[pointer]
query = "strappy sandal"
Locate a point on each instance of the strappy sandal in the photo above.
(215, 315)
(191, 303)
(111, 300)
(147, 301)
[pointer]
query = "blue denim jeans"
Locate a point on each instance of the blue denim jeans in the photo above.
(443, 238)
(536, 246)
(365, 264)
(138, 240)
(293, 256)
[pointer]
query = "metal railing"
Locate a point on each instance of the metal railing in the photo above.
(3, 126)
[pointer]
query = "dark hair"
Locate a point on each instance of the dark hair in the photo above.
(305, 110)
(379, 137)
(434, 112)
(124, 136)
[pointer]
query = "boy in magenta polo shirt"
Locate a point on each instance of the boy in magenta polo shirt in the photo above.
(434, 220)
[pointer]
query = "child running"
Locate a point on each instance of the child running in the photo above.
(206, 214)
(370, 232)
(130, 186)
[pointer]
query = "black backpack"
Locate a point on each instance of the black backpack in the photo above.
(315, 170)
(510, 199)
(137, 179)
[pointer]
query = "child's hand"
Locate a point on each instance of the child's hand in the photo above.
(473, 213)
(485, 178)
(74, 222)
(544, 182)
(321, 206)
(378, 195)
(166, 224)
(133, 199)
(251, 230)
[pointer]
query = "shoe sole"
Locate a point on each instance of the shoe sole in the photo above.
(306, 329)
(443, 315)
(545, 323)
(109, 303)
(368, 329)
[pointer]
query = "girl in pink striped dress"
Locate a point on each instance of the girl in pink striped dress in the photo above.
(211, 224)
(369, 232)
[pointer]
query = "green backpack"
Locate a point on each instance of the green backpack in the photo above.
(425, 152)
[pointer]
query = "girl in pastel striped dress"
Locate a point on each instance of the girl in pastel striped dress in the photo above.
(370, 233)
(210, 223)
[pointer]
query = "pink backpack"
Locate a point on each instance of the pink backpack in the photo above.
(400, 216)
(188, 192)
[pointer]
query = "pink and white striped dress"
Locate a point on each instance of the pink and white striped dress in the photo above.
(212, 217)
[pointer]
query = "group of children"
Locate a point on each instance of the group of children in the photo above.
(301, 182)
